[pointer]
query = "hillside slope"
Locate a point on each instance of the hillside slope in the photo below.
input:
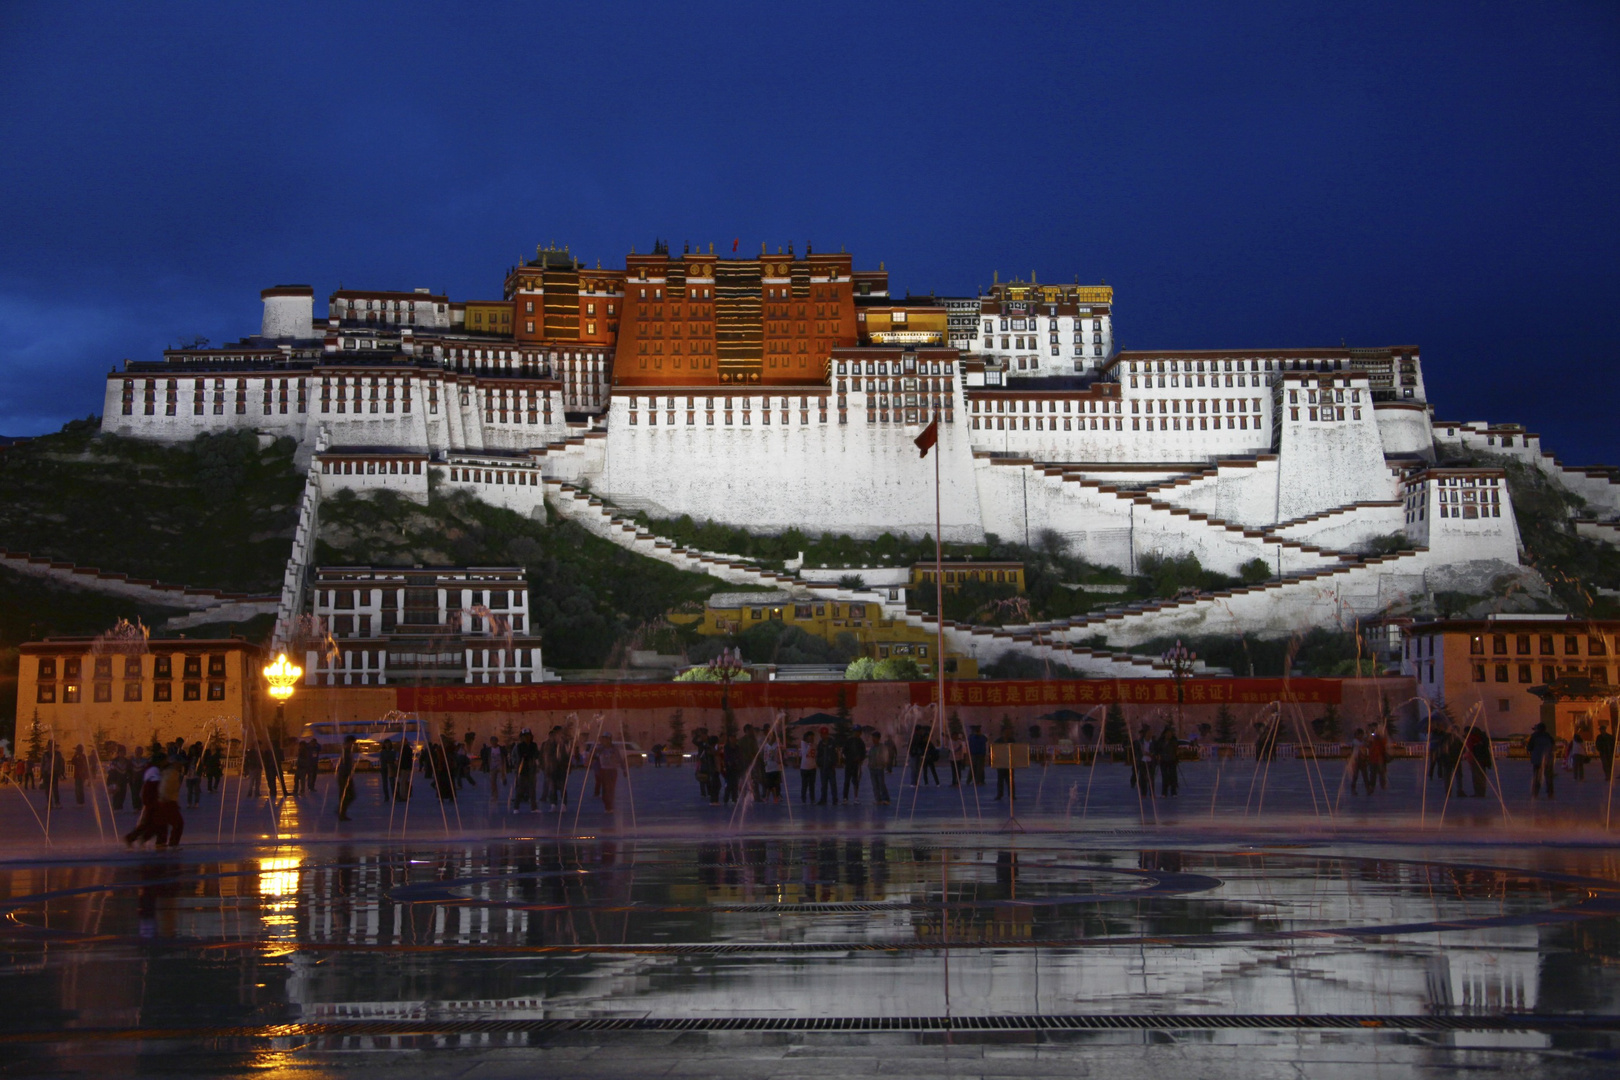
(216, 512)
(590, 600)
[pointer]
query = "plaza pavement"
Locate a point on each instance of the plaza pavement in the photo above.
(1228, 798)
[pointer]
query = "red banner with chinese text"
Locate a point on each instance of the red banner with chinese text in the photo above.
(1087, 692)
(568, 697)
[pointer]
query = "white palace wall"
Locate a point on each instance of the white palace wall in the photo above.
(1403, 427)
(1243, 492)
(1327, 463)
(860, 478)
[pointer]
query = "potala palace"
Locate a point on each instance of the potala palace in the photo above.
(785, 390)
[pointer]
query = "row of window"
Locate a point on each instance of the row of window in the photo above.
(1214, 380)
(349, 599)
(1326, 415)
(1173, 405)
(349, 626)
(910, 366)
(747, 415)
(1598, 673)
(72, 667)
(514, 477)
(371, 468)
(1049, 405)
(1010, 423)
(102, 692)
(1035, 324)
(1595, 646)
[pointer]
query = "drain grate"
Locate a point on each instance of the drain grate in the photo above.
(1499, 1022)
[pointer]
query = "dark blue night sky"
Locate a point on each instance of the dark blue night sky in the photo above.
(1244, 175)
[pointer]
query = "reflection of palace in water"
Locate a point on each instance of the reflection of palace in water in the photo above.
(857, 929)
(811, 927)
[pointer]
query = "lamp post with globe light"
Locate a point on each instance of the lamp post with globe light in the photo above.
(726, 667)
(282, 677)
(1181, 660)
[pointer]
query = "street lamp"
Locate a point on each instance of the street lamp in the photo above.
(1181, 660)
(726, 667)
(283, 678)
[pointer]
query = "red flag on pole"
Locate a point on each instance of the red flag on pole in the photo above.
(930, 436)
(734, 244)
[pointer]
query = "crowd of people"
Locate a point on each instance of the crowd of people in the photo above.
(834, 762)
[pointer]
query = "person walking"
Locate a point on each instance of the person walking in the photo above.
(827, 767)
(1378, 759)
(53, 770)
(770, 760)
(978, 746)
(1140, 760)
(560, 764)
(387, 762)
(879, 760)
(1356, 766)
(1575, 756)
(146, 826)
(213, 767)
(807, 768)
(171, 824)
(1167, 753)
(609, 763)
(1004, 776)
(1604, 745)
(494, 762)
(118, 778)
(81, 773)
(854, 758)
(251, 769)
(193, 770)
(931, 762)
(402, 778)
(1542, 749)
(527, 756)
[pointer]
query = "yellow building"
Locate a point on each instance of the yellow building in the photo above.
(83, 691)
(489, 317)
(961, 572)
(728, 613)
(1503, 663)
(904, 324)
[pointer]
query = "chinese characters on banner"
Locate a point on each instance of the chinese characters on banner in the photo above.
(569, 697)
(828, 696)
(1132, 692)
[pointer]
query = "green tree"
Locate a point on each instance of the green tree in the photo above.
(860, 669)
(1254, 572)
(1225, 725)
(898, 668)
(1115, 731)
(1327, 725)
(677, 731)
(36, 738)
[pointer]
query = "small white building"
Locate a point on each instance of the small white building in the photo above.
(383, 626)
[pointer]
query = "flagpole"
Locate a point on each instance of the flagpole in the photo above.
(939, 599)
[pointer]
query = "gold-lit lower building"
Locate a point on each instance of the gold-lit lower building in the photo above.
(728, 613)
(85, 690)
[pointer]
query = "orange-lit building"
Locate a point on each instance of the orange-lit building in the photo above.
(557, 301)
(700, 320)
